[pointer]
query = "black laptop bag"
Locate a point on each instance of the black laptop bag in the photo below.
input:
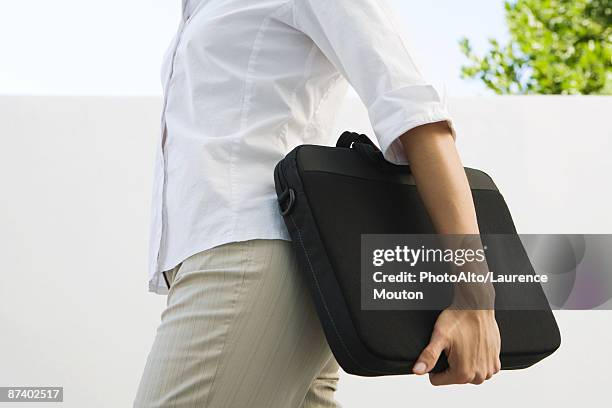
(328, 197)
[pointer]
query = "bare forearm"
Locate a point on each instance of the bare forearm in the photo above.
(446, 194)
(440, 178)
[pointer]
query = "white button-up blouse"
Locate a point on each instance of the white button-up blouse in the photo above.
(245, 81)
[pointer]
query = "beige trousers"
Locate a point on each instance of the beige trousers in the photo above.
(239, 330)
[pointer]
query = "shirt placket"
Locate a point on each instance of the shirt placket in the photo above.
(161, 168)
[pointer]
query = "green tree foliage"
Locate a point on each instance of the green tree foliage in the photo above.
(556, 47)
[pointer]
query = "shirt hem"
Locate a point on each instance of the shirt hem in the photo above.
(156, 282)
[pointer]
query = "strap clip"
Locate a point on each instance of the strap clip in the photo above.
(285, 210)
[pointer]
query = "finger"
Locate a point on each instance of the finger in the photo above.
(478, 379)
(430, 354)
(498, 365)
(450, 376)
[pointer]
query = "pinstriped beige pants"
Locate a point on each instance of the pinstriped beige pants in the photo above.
(239, 330)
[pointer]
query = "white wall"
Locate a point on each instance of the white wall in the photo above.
(75, 177)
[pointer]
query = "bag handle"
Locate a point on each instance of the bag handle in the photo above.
(364, 146)
(367, 149)
(348, 139)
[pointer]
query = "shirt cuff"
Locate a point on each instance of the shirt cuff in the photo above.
(396, 112)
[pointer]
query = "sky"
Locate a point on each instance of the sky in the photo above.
(115, 47)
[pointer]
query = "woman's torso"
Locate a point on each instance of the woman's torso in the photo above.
(242, 88)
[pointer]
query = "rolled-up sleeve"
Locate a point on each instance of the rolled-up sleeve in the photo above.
(362, 40)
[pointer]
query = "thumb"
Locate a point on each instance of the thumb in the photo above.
(430, 354)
